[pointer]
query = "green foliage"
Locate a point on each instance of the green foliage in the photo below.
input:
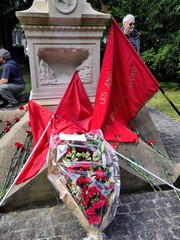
(158, 22)
(9, 7)
(164, 62)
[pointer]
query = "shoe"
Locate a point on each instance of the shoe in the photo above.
(11, 105)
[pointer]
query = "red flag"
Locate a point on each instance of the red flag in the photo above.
(75, 105)
(39, 118)
(73, 114)
(125, 84)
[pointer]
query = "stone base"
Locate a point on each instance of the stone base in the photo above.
(39, 190)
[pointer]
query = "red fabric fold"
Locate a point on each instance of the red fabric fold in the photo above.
(75, 105)
(39, 119)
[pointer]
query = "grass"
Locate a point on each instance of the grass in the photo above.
(160, 103)
(26, 74)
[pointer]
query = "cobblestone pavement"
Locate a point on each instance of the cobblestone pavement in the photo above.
(146, 216)
(140, 216)
(169, 130)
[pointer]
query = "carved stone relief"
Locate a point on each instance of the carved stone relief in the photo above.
(65, 6)
(46, 74)
(60, 63)
(85, 70)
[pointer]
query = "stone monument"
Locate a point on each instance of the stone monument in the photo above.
(62, 36)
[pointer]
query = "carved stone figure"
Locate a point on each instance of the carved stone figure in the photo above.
(46, 74)
(86, 70)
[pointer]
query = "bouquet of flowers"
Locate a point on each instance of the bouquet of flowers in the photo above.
(85, 172)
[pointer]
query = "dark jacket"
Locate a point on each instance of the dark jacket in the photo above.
(134, 39)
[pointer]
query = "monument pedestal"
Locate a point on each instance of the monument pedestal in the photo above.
(62, 37)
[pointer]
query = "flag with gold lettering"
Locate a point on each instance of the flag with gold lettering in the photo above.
(125, 84)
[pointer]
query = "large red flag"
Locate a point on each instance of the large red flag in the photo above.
(73, 114)
(125, 84)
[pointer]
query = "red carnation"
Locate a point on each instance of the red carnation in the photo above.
(150, 142)
(92, 191)
(8, 122)
(6, 129)
(19, 145)
(16, 119)
(103, 202)
(101, 175)
(94, 220)
(86, 166)
(21, 108)
(90, 211)
(132, 127)
(82, 180)
(110, 186)
(28, 131)
(85, 200)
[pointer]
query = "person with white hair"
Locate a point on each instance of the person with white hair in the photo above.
(130, 32)
(12, 82)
